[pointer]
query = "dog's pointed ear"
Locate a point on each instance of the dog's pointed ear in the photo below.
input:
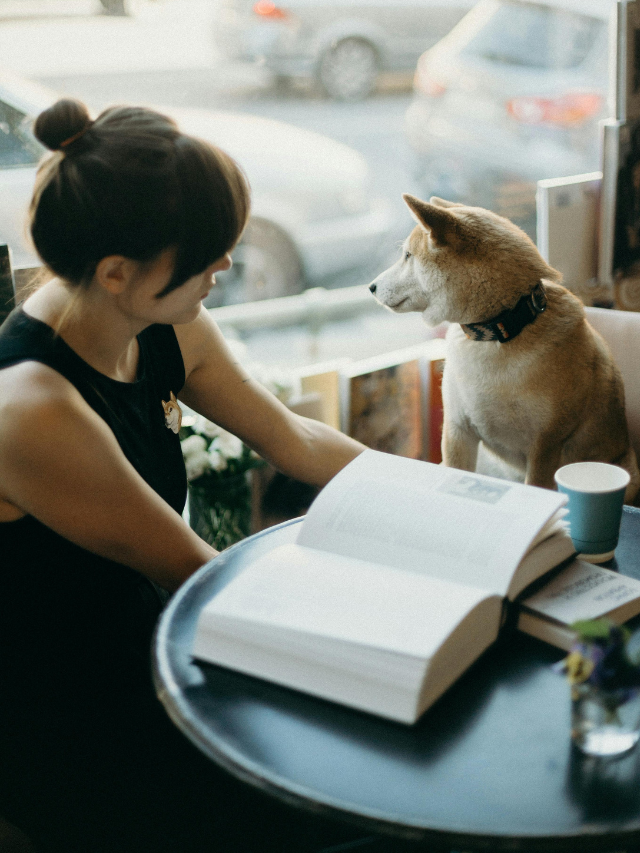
(437, 221)
(442, 202)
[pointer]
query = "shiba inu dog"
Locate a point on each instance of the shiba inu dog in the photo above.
(525, 374)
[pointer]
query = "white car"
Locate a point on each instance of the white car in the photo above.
(313, 215)
(511, 95)
(343, 44)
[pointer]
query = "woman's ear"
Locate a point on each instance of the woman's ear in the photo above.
(114, 273)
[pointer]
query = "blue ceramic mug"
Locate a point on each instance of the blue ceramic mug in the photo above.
(596, 497)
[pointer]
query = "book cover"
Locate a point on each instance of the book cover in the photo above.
(323, 379)
(567, 234)
(382, 402)
(434, 415)
(579, 591)
(385, 409)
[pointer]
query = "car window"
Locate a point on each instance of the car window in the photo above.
(535, 36)
(17, 145)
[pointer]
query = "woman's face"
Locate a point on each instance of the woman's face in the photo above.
(181, 305)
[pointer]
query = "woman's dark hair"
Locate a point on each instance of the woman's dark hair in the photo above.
(130, 183)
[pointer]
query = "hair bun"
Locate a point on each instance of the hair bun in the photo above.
(67, 118)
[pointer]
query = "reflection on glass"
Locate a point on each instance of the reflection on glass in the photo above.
(333, 134)
(512, 96)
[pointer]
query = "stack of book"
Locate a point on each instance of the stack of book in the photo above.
(390, 402)
(393, 402)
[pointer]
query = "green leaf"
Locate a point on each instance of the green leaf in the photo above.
(592, 629)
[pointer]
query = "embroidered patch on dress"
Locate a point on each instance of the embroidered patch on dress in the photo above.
(172, 414)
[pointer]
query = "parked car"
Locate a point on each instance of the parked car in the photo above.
(313, 214)
(342, 45)
(511, 95)
(47, 9)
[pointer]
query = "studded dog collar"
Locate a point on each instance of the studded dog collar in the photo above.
(508, 325)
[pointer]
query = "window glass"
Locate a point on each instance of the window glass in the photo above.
(17, 146)
(537, 36)
(327, 107)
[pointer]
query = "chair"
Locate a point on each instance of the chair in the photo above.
(621, 331)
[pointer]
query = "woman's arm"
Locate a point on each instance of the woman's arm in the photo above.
(61, 463)
(221, 390)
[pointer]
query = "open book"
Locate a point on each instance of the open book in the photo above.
(394, 586)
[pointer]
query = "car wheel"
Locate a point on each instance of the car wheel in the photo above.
(349, 69)
(120, 7)
(266, 265)
(282, 84)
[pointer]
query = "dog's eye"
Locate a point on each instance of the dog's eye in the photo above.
(407, 255)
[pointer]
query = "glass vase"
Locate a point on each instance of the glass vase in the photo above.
(604, 722)
(220, 513)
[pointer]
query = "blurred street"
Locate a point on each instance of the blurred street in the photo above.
(165, 55)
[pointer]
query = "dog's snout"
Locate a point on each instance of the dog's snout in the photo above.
(373, 287)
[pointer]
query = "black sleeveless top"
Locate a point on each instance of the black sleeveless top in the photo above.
(66, 614)
(89, 760)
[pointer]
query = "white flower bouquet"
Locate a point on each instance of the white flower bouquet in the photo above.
(218, 466)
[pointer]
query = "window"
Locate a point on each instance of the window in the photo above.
(17, 146)
(536, 36)
(314, 98)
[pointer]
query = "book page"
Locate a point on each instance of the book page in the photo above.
(317, 595)
(583, 591)
(429, 519)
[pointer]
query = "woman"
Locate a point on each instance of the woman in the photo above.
(134, 219)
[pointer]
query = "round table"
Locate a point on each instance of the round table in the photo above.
(489, 767)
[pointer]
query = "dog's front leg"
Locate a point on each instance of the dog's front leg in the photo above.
(543, 462)
(459, 446)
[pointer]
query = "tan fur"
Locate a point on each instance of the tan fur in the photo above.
(550, 396)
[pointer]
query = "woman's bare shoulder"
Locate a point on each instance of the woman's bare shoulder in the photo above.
(31, 383)
(36, 400)
(37, 405)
